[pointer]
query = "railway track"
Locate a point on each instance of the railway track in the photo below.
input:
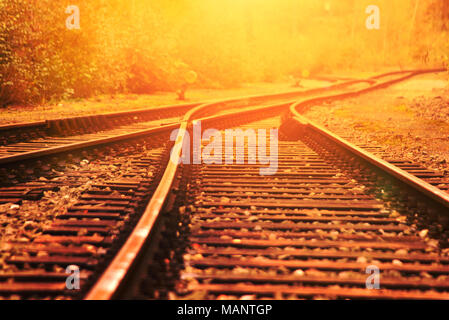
(64, 127)
(78, 187)
(30, 151)
(89, 216)
(216, 231)
(20, 142)
(29, 140)
(433, 177)
(309, 231)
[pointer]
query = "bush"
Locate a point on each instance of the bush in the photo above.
(142, 46)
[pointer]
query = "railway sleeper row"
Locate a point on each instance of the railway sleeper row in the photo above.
(89, 232)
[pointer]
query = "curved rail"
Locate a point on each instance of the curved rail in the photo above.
(70, 124)
(116, 271)
(48, 124)
(302, 105)
(414, 182)
(423, 187)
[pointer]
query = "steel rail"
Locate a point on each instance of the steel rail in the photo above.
(115, 274)
(35, 124)
(379, 76)
(238, 101)
(347, 81)
(81, 145)
(241, 101)
(418, 184)
(47, 124)
(300, 106)
(419, 71)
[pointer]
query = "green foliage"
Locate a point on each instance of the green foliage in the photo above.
(142, 46)
(40, 59)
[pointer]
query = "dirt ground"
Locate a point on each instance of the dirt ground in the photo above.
(123, 102)
(410, 120)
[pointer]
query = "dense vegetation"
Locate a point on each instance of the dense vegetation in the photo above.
(146, 45)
